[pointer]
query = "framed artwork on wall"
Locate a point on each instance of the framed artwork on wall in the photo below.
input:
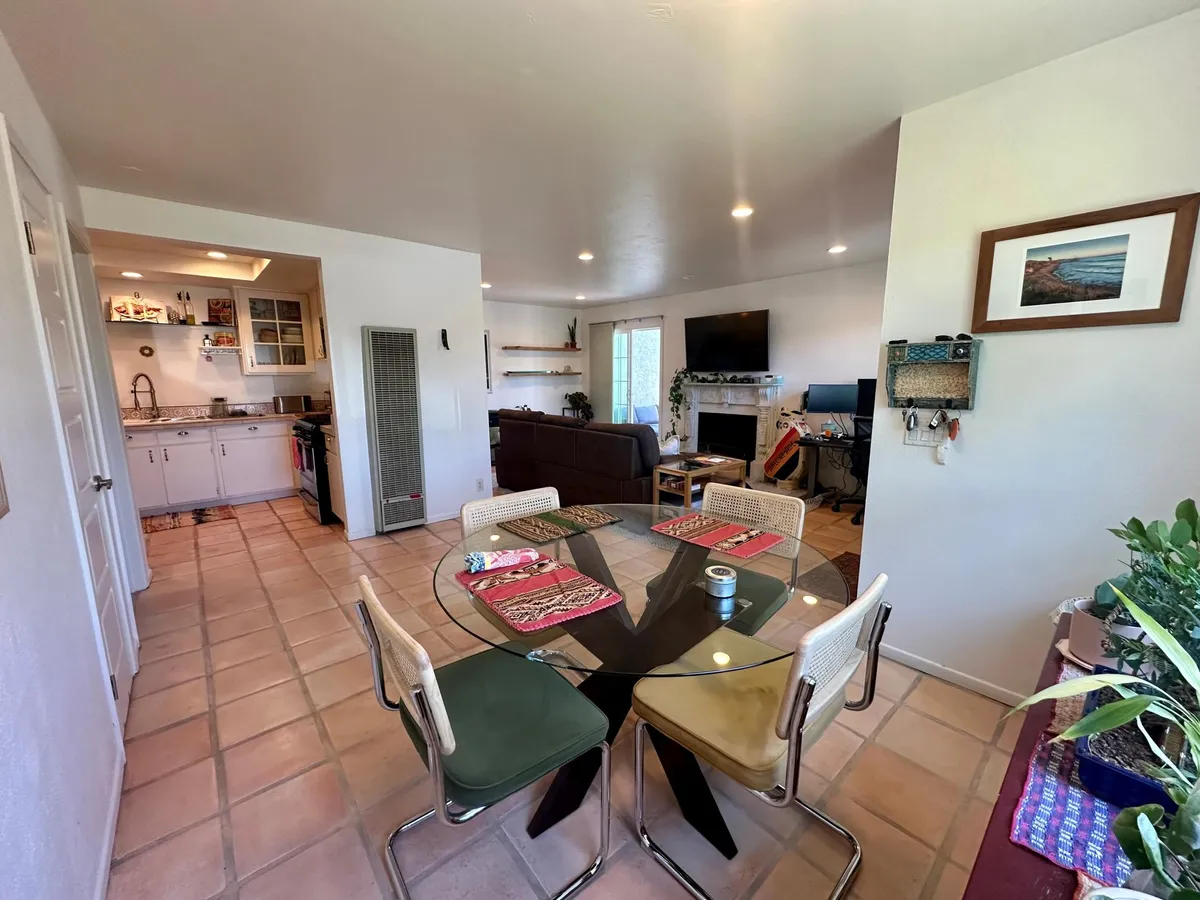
(1121, 266)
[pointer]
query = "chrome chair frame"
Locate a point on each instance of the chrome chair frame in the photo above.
(781, 795)
(444, 808)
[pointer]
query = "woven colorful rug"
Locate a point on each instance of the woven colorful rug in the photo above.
(538, 595)
(557, 524)
(1056, 817)
(717, 534)
(151, 524)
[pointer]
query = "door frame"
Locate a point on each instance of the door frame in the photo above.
(643, 323)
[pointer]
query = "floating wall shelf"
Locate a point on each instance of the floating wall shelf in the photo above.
(544, 372)
(547, 349)
(219, 350)
(209, 325)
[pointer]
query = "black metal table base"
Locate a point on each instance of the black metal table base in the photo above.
(613, 694)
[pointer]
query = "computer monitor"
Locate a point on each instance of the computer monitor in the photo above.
(866, 397)
(832, 398)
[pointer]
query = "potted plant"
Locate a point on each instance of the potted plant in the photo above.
(578, 401)
(1163, 847)
(676, 399)
(571, 333)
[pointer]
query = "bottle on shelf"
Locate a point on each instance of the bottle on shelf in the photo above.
(188, 309)
(207, 342)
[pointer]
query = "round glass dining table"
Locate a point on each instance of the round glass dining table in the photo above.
(664, 615)
(663, 610)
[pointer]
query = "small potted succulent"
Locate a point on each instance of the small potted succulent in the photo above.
(571, 330)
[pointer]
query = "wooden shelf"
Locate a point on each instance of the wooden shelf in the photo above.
(546, 374)
(209, 325)
(547, 349)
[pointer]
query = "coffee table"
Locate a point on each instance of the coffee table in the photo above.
(683, 476)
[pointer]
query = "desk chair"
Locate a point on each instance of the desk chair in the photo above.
(755, 724)
(479, 514)
(487, 726)
(860, 464)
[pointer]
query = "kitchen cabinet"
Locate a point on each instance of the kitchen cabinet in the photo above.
(255, 465)
(275, 331)
(337, 492)
(146, 477)
(189, 470)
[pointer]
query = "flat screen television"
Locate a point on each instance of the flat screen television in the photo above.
(734, 342)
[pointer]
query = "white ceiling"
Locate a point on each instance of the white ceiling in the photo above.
(529, 130)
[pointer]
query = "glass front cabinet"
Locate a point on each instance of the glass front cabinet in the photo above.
(275, 331)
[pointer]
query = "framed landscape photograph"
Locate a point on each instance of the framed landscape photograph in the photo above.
(1122, 266)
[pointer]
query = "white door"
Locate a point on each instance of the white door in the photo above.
(190, 473)
(87, 481)
(255, 466)
(146, 477)
(637, 370)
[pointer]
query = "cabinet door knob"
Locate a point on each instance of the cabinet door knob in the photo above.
(151, 456)
(102, 484)
(222, 449)
(183, 433)
(166, 458)
(129, 437)
(254, 428)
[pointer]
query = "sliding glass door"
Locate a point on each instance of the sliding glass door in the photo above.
(637, 371)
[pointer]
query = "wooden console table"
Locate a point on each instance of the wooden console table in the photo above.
(1003, 870)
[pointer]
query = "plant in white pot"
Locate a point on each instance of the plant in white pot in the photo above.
(1164, 849)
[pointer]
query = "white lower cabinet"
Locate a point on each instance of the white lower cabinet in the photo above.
(146, 477)
(255, 465)
(190, 473)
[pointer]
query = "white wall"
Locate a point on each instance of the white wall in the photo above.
(981, 550)
(824, 325)
(59, 779)
(537, 326)
(181, 375)
(367, 280)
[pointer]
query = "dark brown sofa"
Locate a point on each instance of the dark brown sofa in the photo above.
(593, 463)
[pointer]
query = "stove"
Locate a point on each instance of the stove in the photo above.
(308, 459)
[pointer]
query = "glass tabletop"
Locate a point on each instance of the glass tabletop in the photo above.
(664, 611)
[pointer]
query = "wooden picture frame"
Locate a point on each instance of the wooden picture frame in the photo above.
(1098, 268)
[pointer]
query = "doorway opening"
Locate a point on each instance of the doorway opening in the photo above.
(637, 372)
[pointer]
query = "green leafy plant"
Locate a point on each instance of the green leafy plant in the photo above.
(1167, 847)
(1164, 580)
(676, 399)
(571, 329)
(579, 402)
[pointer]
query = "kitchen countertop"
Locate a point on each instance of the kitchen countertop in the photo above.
(138, 424)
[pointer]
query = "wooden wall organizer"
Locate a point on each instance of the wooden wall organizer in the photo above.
(935, 375)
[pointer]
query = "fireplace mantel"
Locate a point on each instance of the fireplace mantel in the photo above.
(759, 400)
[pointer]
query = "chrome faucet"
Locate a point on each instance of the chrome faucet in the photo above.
(137, 404)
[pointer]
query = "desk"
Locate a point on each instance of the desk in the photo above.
(812, 449)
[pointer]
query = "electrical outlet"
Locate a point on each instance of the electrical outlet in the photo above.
(479, 485)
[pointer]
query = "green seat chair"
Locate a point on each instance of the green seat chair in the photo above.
(487, 726)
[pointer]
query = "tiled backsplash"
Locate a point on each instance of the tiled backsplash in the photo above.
(129, 414)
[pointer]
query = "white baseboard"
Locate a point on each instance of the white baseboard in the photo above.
(963, 680)
(110, 836)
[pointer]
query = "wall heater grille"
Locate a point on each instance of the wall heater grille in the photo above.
(394, 426)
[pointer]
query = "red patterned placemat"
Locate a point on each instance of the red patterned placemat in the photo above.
(717, 534)
(538, 595)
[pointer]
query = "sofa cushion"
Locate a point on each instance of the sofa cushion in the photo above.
(647, 440)
(525, 415)
(646, 415)
(611, 455)
(555, 444)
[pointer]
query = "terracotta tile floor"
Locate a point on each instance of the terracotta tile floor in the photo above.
(260, 766)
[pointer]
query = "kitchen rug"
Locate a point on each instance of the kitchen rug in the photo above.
(556, 524)
(1056, 816)
(151, 524)
(717, 534)
(538, 595)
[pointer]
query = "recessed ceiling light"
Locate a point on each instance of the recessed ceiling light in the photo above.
(580, 297)
(217, 254)
(485, 285)
(586, 256)
(133, 168)
(742, 211)
(810, 599)
(132, 274)
(838, 248)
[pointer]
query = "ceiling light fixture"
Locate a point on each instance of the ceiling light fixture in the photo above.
(217, 254)
(838, 248)
(131, 274)
(742, 211)
(580, 297)
(586, 256)
(485, 284)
